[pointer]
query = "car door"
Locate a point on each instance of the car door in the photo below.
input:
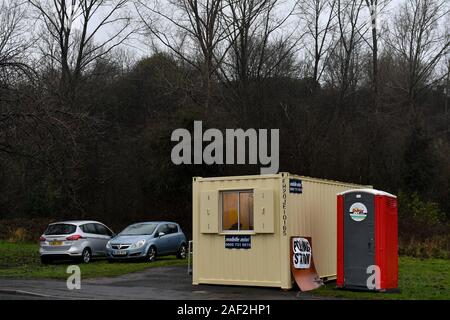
(162, 244)
(93, 237)
(181, 237)
(104, 235)
(173, 238)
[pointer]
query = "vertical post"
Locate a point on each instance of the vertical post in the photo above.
(195, 230)
(340, 241)
(189, 269)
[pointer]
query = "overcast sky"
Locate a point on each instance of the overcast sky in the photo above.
(138, 44)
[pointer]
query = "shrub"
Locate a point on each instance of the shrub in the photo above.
(424, 231)
(18, 235)
(437, 246)
(19, 230)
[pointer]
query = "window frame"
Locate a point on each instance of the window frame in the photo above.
(85, 225)
(161, 226)
(106, 229)
(238, 191)
(172, 227)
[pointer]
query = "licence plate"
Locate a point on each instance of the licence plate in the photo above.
(119, 252)
(56, 243)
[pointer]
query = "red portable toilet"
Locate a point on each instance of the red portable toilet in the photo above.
(367, 241)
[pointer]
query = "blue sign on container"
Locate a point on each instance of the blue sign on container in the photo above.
(238, 242)
(295, 186)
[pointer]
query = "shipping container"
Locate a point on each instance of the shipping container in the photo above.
(242, 227)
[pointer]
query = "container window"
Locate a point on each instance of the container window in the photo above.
(237, 210)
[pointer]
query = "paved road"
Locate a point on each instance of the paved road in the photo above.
(154, 283)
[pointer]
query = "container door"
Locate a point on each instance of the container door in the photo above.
(359, 251)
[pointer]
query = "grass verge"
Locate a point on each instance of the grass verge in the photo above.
(21, 260)
(418, 279)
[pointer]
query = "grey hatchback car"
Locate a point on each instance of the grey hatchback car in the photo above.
(81, 239)
(146, 240)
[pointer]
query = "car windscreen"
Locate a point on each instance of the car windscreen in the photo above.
(139, 229)
(60, 228)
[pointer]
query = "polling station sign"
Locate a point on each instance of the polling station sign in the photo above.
(302, 264)
(302, 253)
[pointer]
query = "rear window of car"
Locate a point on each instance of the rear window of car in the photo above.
(60, 228)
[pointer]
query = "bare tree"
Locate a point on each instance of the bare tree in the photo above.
(74, 27)
(352, 29)
(194, 30)
(319, 18)
(420, 43)
(375, 7)
(15, 67)
(263, 41)
(447, 93)
(255, 27)
(14, 42)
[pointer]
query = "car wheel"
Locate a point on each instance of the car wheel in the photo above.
(151, 254)
(86, 255)
(182, 252)
(46, 260)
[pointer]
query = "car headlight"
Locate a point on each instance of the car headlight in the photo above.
(108, 245)
(138, 244)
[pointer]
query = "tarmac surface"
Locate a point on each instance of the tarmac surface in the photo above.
(163, 283)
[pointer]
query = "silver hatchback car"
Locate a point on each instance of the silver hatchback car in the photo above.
(81, 240)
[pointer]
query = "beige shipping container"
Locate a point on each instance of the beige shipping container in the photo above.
(263, 208)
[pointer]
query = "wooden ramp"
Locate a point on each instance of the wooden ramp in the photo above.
(302, 264)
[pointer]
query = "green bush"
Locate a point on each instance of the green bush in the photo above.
(23, 230)
(424, 231)
(422, 212)
(434, 247)
(18, 235)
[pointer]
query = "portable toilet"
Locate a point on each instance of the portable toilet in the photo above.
(242, 227)
(367, 241)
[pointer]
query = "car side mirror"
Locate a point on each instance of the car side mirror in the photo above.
(160, 234)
